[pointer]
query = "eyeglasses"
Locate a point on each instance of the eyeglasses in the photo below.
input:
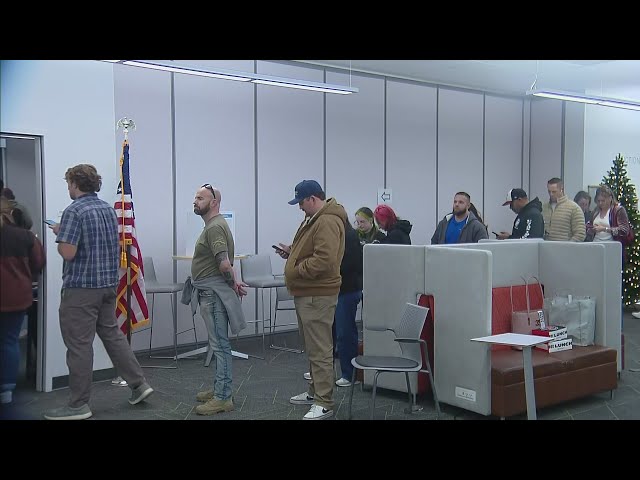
(210, 188)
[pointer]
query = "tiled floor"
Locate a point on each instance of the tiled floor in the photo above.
(262, 389)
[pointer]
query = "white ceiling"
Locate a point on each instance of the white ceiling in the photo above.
(608, 78)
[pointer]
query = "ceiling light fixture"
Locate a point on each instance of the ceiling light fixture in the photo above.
(584, 98)
(241, 77)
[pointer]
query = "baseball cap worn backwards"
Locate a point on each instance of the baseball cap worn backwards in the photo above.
(514, 194)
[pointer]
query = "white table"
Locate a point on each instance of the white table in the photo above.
(526, 342)
(200, 350)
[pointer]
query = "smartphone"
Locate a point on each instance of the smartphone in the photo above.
(494, 233)
(278, 249)
(50, 222)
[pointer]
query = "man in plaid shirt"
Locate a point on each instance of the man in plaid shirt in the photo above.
(87, 238)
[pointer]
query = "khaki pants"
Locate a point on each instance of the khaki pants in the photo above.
(315, 321)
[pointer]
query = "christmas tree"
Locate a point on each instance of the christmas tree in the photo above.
(625, 192)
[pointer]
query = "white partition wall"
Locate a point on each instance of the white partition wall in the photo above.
(214, 133)
(289, 149)
(145, 97)
(460, 148)
(546, 146)
(411, 155)
(503, 159)
(355, 142)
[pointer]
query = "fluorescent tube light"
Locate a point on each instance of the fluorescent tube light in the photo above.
(341, 91)
(186, 70)
(584, 98)
(241, 77)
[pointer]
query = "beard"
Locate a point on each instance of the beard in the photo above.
(201, 211)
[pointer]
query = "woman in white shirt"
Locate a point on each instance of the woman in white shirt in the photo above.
(609, 221)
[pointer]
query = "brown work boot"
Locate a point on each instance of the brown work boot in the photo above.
(204, 396)
(214, 406)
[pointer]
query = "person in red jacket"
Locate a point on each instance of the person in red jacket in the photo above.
(21, 260)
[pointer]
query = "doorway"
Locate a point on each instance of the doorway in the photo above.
(21, 156)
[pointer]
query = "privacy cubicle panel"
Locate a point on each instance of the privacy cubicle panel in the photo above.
(613, 289)
(511, 259)
(460, 281)
(393, 275)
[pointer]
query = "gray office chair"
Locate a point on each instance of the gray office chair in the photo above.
(407, 334)
(256, 272)
(282, 295)
(153, 287)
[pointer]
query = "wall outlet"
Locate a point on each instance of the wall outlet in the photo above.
(466, 394)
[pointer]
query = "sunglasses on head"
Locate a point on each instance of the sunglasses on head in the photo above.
(210, 188)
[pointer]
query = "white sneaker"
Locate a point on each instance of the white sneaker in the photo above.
(307, 376)
(343, 382)
(636, 314)
(302, 399)
(316, 412)
(119, 382)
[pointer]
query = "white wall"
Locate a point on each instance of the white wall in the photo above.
(608, 132)
(69, 103)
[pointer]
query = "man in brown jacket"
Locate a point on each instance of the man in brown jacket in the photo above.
(312, 275)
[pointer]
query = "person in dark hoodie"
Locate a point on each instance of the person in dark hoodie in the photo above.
(529, 222)
(345, 331)
(397, 230)
(460, 226)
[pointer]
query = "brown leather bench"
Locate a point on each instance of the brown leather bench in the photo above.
(558, 377)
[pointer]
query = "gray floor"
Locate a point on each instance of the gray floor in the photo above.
(262, 389)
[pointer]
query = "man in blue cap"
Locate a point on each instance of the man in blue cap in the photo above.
(312, 275)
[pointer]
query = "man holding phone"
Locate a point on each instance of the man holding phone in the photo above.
(312, 275)
(529, 222)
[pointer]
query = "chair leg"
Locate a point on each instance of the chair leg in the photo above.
(406, 376)
(433, 385)
(373, 395)
(353, 382)
(153, 319)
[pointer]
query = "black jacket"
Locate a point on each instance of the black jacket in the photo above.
(529, 222)
(399, 234)
(351, 266)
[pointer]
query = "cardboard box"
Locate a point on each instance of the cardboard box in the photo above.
(556, 345)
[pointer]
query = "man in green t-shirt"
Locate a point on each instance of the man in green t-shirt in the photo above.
(218, 295)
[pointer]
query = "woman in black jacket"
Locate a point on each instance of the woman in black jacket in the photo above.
(397, 230)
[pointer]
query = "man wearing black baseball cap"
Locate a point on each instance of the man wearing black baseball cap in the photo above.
(529, 222)
(312, 275)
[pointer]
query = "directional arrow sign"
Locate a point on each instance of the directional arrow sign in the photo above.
(384, 195)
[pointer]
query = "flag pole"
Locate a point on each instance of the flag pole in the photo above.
(125, 243)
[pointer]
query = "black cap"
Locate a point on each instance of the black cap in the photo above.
(305, 189)
(514, 194)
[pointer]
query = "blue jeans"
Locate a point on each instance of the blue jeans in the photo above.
(346, 331)
(215, 318)
(10, 325)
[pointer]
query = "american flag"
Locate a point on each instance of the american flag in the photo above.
(127, 234)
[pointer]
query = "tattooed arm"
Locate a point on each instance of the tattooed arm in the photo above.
(226, 269)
